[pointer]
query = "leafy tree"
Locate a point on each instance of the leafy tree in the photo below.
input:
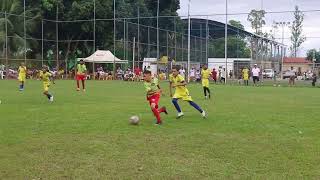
(297, 37)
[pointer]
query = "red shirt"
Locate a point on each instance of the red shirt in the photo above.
(214, 74)
(137, 71)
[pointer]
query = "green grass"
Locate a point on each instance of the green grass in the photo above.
(251, 133)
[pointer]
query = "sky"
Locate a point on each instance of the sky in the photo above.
(311, 25)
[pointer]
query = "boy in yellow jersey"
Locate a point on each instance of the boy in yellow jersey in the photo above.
(153, 95)
(181, 92)
(205, 74)
(46, 78)
(22, 76)
(81, 75)
(245, 76)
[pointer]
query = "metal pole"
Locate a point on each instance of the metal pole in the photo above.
(226, 43)
(207, 40)
(148, 42)
(175, 39)
(133, 53)
(114, 39)
(7, 62)
(124, 39)
(57, 36)
(158, 43)
(189, 40)
(94, 25)
(167, 44)
(282, 65)
(25, 32)
(138, 33)
(42, 43)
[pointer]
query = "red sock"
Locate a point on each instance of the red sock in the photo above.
(78, 85)
(83, 85)
(156, 114)
(161, 110)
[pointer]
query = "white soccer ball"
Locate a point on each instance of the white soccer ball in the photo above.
(134, 120)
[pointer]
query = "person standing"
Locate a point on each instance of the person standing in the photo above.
(223, 76)
(22, 75)
(255, 75)
(192, 74)
(182, 72)
(205, 74)
(292, 78)
(214, 75)
(314, 79)
(81, 75)
(245, 76)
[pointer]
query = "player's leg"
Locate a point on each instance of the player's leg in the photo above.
(83, 83)
(209, 92)
(156, 112)
(176, 105)
(46, 92)
(78, 82)
(197, 107)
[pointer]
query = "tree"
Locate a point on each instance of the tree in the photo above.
(256, 17)
(236, 24)
(297, 37)
(313, 53)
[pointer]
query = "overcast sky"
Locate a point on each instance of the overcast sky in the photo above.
(311, 22)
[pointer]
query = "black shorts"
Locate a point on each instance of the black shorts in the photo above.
(256, 79)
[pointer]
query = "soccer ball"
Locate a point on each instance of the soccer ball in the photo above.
(134, 120)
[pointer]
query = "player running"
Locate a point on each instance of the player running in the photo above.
(81, 75)
(22, 75)
(181, 92)
(153, 95)
(46, 78)
(205, 74)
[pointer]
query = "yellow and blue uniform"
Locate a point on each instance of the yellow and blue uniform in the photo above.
(22, 73)
(245, 74)
(205, 77)
(181, 92)
(46, 80)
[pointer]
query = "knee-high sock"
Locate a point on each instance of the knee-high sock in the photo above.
(78, 84)
(205, 91)
(208, 90)
(176, 105)
(156, 114)
(193, 104)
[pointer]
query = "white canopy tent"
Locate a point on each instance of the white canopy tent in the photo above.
(102, 56)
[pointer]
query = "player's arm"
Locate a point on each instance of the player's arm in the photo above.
(170, 88)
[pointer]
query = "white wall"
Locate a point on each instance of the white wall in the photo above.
(148, 62)
(216, 62)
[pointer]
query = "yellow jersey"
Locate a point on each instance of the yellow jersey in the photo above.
(45, 77)
(245, 74)
(205, 74)
(81, 68)
(22, 70)
(177, 80)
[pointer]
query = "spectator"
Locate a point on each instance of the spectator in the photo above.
(214, 75)
(192, 74)
(230, 74)
(255, 75)
(223, 76)
(314, 79)
(119, 74)
(182, 72)
(198, 75)
(292, 78)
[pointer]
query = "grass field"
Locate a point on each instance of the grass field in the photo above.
(251, 133)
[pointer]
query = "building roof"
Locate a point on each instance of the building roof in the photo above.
(217, 29)
(291, 60)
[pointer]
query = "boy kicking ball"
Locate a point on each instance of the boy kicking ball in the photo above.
(46, 78)
(153, 95)
(181, 92)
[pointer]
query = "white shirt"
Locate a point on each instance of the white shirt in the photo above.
(182, 71)
(192, 73)
(223, 73)
(255, 72)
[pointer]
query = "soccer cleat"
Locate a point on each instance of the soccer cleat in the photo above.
(84, 90)
(206, 97)
(78, 89)
(204, 114)
(180, 115)
(51, 99)
(165, 110)
(158, 124)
